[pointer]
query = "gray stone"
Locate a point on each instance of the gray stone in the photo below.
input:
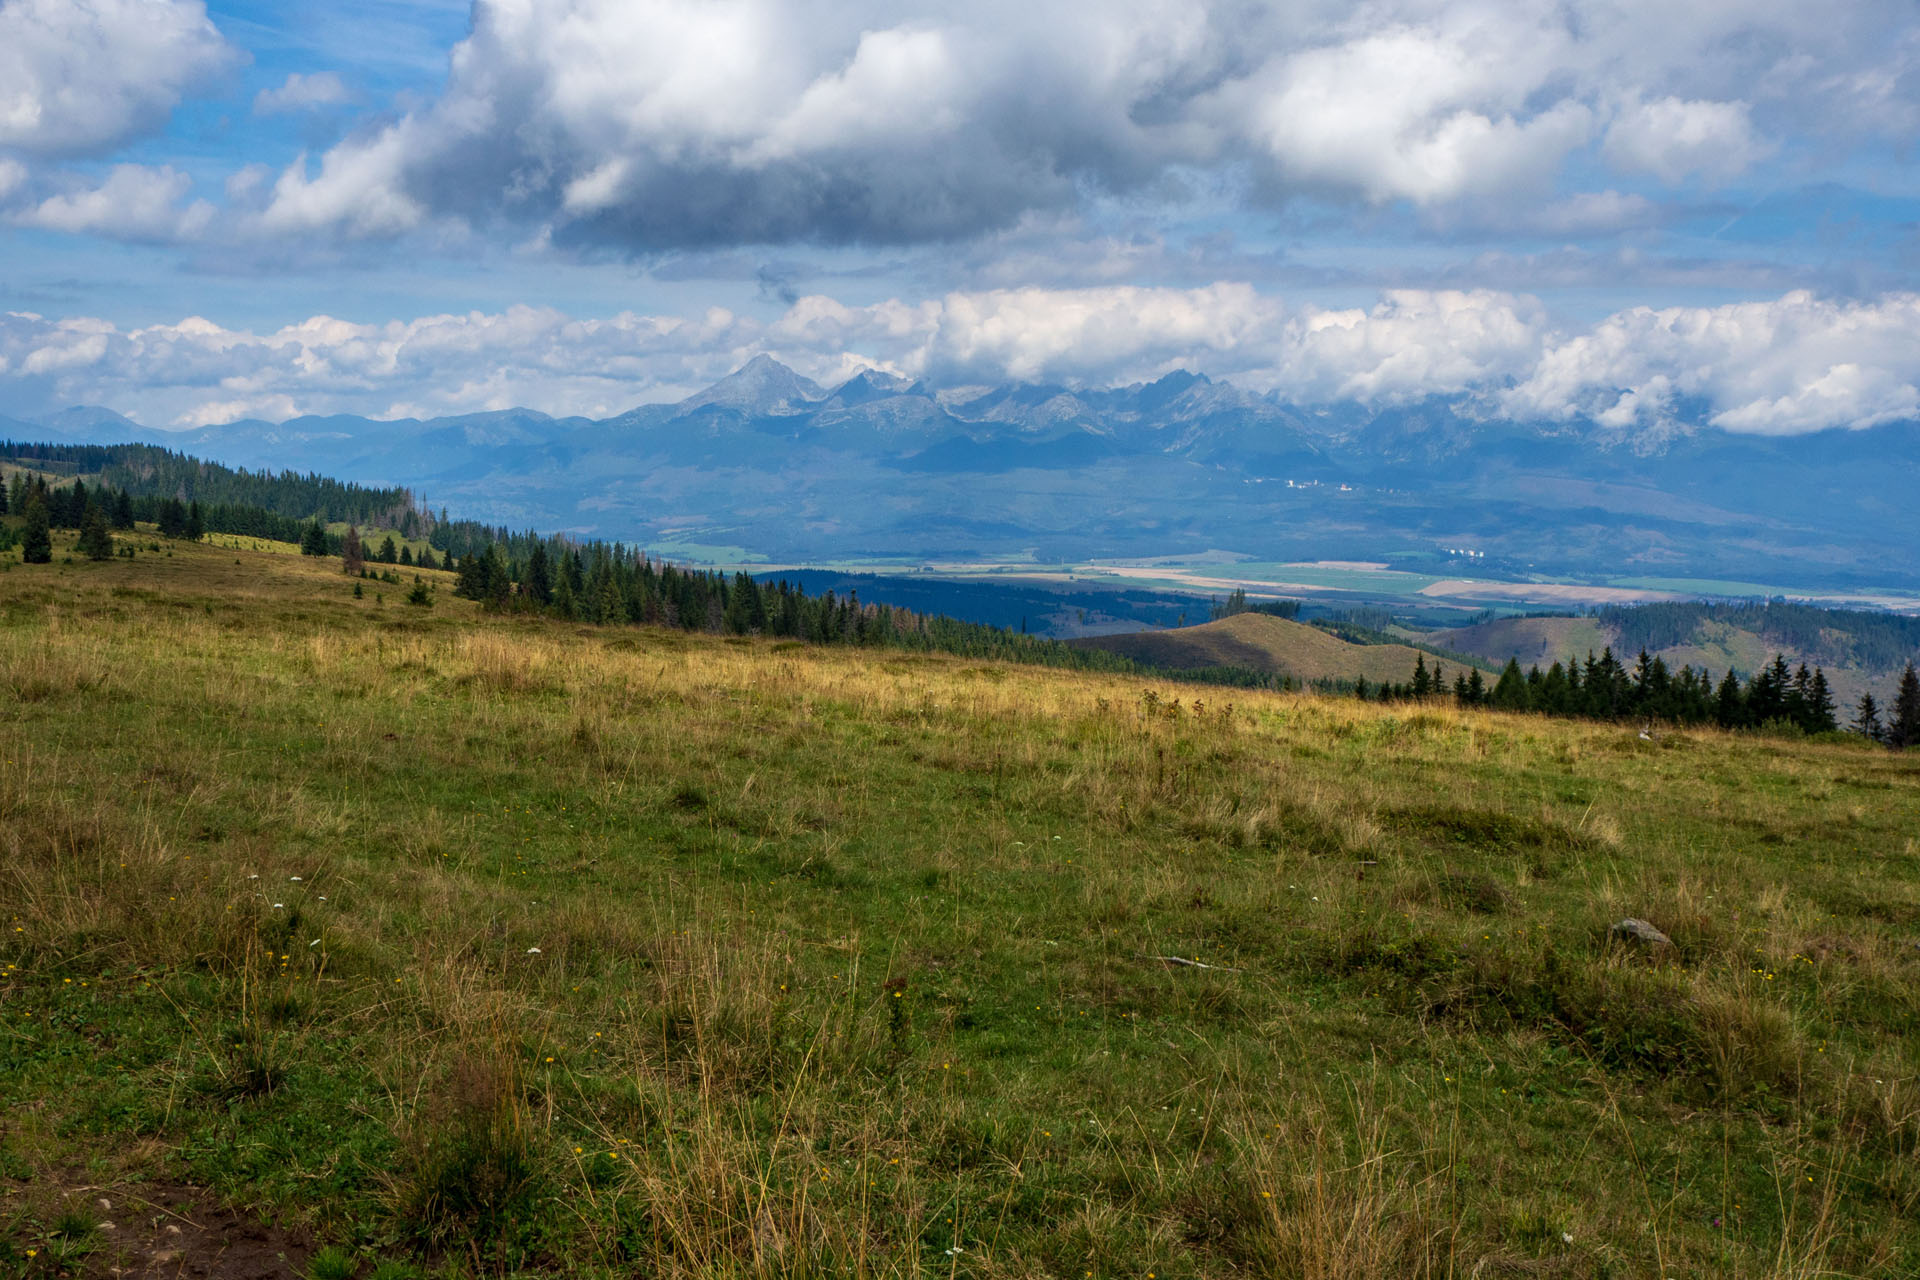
(1634, 929)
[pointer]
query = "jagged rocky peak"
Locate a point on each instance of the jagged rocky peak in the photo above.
(762, 385)
(871, 384)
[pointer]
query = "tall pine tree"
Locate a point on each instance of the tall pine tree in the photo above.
(538, 581)
(36, 545)
(1903, 725)
(1510, 692)
(1820, 717)
(1866, 719)
(95, 542)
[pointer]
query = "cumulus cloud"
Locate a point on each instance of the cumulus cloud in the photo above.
(1093, 335)
(195, 372)
(302, 93)
(133, 202)
(660, 124)
(1675, 140)
(81, 75)
(1414, 343)
(1779, 367)
(1422, 114)
(1793, 364)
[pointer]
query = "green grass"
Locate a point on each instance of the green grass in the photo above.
(490, 945)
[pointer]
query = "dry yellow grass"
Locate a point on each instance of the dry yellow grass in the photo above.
(1262, 643)
(756, 958)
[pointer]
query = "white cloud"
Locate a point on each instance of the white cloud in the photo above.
(133, 202)
(1095, 335)
(1414, 343)
(1674, 140)
(80, 75)
(1425, 115)
(357, 192)
(1792, 364)
(657, 124)
(302, 93)
(1781, 367)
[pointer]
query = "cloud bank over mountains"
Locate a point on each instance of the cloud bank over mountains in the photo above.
(1324, 200)
(1791, 365)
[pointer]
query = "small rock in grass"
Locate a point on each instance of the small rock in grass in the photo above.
(1634, 929)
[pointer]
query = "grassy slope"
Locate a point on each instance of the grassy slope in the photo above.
(1265, 644)
(617, 951)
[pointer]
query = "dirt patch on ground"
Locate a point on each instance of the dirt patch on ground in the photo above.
(175, 1231)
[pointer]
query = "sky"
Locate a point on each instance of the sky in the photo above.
(1641, 214)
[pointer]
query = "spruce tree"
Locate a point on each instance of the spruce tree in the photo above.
(353, 556)
(36, 546)
(95, 541)
(313, 539)
(5, 506)
(1866, 719)
(196, 525)
(1820, 717)
(1553, 696)
(473, 577)
(1510, 692)
(1903, 725)
(538, 581)
(1422, 680)
(389, 551)
(1767, 692)
(493, 573)
(123, 510)
(1476, 689)
(1800, 698)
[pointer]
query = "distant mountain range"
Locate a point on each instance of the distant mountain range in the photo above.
(769, 461)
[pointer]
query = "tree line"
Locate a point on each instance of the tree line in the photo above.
(43, 508)
(148, 471)
(1780, 698)
(1237, 603)
(614, 584)
(189, 519)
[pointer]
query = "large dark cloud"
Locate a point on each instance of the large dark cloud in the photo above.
(649, 125)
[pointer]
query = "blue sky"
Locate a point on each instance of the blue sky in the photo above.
(1649, 215)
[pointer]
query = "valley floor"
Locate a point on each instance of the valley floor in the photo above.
(480, 945)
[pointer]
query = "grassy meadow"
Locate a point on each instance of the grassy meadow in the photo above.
(474, 945)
